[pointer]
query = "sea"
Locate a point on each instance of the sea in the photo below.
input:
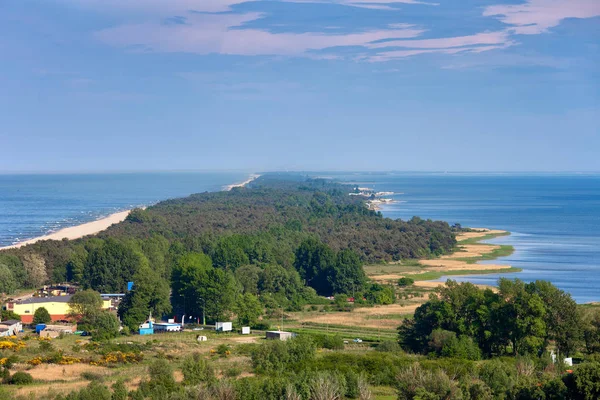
(554, 219)
(35, 205)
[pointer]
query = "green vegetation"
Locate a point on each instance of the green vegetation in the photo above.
(432, 275)
(265, 256)
(518, 319)
(41, 316)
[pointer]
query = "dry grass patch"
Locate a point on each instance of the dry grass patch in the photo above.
(54, 372)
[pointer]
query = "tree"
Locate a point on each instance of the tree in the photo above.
(561, 318)
(8, 283)
(347, 274)
(35, 267)
(404, 282)
(314, 261)
(103, 325)
(248, 309)
(203, 289)
(110, 266)
(522, 316)
(150, 294)
(41, 316)
(85, 303)
(197, 370)
(248, 276)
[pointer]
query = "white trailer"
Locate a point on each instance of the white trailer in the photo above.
(223, 327)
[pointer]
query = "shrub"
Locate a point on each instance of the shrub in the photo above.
(94, 391)
(119, 390)
(388, 346)
(233, 371)
(41, 316)
(404, 282)
(21, 378)
(197, 370)
(464, 347)
(91, 376)
(161, 375)
(498, 376)
(414, 382)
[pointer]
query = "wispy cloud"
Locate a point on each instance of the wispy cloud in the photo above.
(537, 16)
(223, 34)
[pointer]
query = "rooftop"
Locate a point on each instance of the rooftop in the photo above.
(10, 322)
(51, 299)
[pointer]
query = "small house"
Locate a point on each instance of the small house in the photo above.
(147, 328)
(279, 335)
(12, 327)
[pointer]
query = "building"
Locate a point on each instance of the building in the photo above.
(167, 327)
(147, 328)
(10, 327)
(279, 335)
(57, 306)
(53, 331)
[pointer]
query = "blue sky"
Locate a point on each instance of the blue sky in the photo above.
(461, 85)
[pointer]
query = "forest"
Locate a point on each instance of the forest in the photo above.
(275, 250)
(278, 243)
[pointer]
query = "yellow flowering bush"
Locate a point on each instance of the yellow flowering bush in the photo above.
(12, 345)
(118, 357)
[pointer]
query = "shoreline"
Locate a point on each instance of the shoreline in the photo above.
(94, 227)
(241, 184)
(463, 261)
(77, 231)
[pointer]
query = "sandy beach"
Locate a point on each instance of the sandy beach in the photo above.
(94, 227)
(455, 262)
(241, 184)
(76, 232)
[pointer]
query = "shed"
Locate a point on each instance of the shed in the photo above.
(223, 326)
(245, 330)
(279, 335)
(13, 326)
(147, 328)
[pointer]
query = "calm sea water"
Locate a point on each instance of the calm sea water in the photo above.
(34, 205)
(554, 219)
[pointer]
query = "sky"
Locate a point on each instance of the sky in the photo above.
(405, 85)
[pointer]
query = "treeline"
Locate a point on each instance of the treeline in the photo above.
(462, 320)
(284, 239)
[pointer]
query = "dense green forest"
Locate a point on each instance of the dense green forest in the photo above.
(282, 240)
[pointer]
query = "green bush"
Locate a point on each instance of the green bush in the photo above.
(21, 378)
(499, 376)
(404, 282)
(196, 370)
(41, 316)
(388, 346)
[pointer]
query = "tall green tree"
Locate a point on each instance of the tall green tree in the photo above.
(562, 318)
(41, 316)
(8, 283)
(201, 288)
(84, 303)
(347, 274)
(150, 294)
(248, 309)
(522, 316)
(110, 266)
(314, 261)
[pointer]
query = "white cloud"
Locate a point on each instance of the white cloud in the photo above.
(218, 33)
(537, 16)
